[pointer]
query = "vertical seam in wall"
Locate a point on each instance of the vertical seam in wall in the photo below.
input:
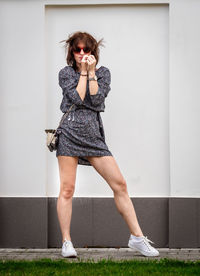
(47, 222)
(169, 106)
(92, 221)
(197, 221)
(169, 219)
(46, 156)
(46, 96)
(168, 222)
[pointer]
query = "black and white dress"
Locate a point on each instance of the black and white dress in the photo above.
(82, 133)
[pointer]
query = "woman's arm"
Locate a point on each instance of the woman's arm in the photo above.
(102, 85)
(93, 85)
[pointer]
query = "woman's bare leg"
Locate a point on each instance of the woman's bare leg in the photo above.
(107, 167)
(67, 171)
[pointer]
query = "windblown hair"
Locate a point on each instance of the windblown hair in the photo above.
(87, 39)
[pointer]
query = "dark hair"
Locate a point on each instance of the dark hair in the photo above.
(87, 39)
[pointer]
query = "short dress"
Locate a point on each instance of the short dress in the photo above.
(82, 133)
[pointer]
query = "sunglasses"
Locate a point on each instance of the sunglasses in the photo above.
(78, 49)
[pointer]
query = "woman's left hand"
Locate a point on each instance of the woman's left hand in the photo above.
(91, 63)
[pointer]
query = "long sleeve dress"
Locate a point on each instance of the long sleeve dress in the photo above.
(82, 133)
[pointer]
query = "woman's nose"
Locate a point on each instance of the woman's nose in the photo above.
(82, 52)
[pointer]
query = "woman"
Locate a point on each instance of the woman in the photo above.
(82, 139)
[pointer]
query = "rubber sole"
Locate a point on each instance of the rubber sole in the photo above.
(69, 256)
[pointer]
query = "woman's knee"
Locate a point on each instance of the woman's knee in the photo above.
(67, 190)
(120, 186)
(67, 193)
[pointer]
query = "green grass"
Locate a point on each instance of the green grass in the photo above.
(103, 267)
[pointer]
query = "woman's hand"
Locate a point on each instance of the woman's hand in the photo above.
(84, 64)
(91, 63)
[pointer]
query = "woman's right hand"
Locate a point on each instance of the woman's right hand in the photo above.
(84, 64)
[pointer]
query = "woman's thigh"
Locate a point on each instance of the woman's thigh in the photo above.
(108, 168)
(67, 171)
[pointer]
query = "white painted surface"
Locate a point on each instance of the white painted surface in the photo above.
(185, 98)
(136, 52)
(160, 105)
(23, 156)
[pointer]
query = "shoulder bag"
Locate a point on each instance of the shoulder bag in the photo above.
(52, 135)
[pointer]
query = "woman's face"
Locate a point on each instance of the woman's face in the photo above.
(79, 53)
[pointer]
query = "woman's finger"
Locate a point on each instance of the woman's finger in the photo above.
(85, 57)
(91, 59)
(91, 56)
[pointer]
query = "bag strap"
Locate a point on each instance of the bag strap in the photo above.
(64, 116)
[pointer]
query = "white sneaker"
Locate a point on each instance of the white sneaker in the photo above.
(68, 249)
(143, 246)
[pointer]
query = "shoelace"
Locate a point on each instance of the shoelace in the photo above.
(67, 243)
(146, 240)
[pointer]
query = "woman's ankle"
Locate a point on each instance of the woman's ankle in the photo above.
(137, 234)
(66, 238)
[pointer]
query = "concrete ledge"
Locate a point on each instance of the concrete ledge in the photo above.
(97, 254)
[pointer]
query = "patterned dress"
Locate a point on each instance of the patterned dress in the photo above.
(82, 133)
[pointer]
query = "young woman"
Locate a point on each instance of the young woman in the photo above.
(82, 139)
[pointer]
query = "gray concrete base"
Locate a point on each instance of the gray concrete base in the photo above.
(33, 222)
(97, 254)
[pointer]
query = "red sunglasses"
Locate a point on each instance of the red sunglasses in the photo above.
(78, 49)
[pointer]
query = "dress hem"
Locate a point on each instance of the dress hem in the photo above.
(84, 155)
(82, 160)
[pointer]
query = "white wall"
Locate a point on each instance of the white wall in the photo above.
(156, 79)
(136, 52)
(185, 98)
(23, 99)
